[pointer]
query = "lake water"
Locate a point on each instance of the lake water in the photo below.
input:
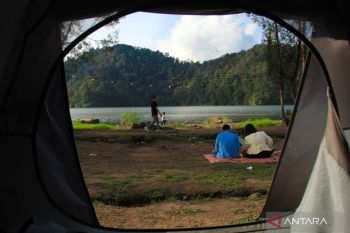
(186, 114)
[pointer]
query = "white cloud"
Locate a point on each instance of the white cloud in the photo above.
(201, 38)
(251, 29)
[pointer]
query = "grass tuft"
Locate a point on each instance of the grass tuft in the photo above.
(129, 118)
(78, 125)
(176, 177)
(261, 122)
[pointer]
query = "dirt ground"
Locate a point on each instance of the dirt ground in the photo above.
(216, 212)
(166, 166)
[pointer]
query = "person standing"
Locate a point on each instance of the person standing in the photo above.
(163, 119)
(226, 144)
(155, 111)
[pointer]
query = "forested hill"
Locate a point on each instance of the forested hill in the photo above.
(129, 76)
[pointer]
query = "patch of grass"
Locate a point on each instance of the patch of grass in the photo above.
(236, 176)
(98, 203)
(187, 211)
(252, 218)
(157, 194)
(177, 177)
(142, 175)
(222, 181)
(218, 178)
(79, 125)
(129, 118)
(115, 186)
(261, 122)
(178, 125)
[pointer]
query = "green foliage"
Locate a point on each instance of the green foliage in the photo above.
(177, 177)
(116, 186)
(261, 122)
(142, 175)
(223, 176)
(129, 118)
(128, 76)
(78, 125)
(157, 193)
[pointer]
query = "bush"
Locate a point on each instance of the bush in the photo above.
(129, 118)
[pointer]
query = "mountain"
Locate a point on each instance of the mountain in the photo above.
(129, 76)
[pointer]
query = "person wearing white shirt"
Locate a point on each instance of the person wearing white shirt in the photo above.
(257, 143)
(163, 119)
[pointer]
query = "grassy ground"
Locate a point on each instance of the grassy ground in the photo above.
(211, 122)
(165, 184)
(88, 126)
(161, 180)
(261, 122)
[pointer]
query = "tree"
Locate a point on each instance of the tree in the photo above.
(72, 29)
(283, 51)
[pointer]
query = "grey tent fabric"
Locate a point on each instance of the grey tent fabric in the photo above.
(332, 14)
(327, 194)
(337, 56)
(41, 225)
(300, 150)
(39, 170)
(23, 114)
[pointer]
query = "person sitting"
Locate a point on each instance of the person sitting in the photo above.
(257, 143)
(226, 144)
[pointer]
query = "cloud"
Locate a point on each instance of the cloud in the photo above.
(200, 38)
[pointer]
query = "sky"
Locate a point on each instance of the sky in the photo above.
(195, 38)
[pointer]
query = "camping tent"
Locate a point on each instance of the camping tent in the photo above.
(40, 175)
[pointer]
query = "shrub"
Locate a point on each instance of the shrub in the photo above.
(129, 118)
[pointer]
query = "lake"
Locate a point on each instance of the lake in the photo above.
(185, 114)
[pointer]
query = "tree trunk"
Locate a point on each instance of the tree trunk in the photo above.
(297, 70)
(283, 115)
(302, 46)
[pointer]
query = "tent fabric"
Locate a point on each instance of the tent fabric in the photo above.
(41, 225)
(331, 14)
(305, 136)
(327, 194)
(43, 122)
(337, 56)
(300, 150)
(40, 171)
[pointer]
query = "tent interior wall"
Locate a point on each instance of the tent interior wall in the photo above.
(40, 172)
